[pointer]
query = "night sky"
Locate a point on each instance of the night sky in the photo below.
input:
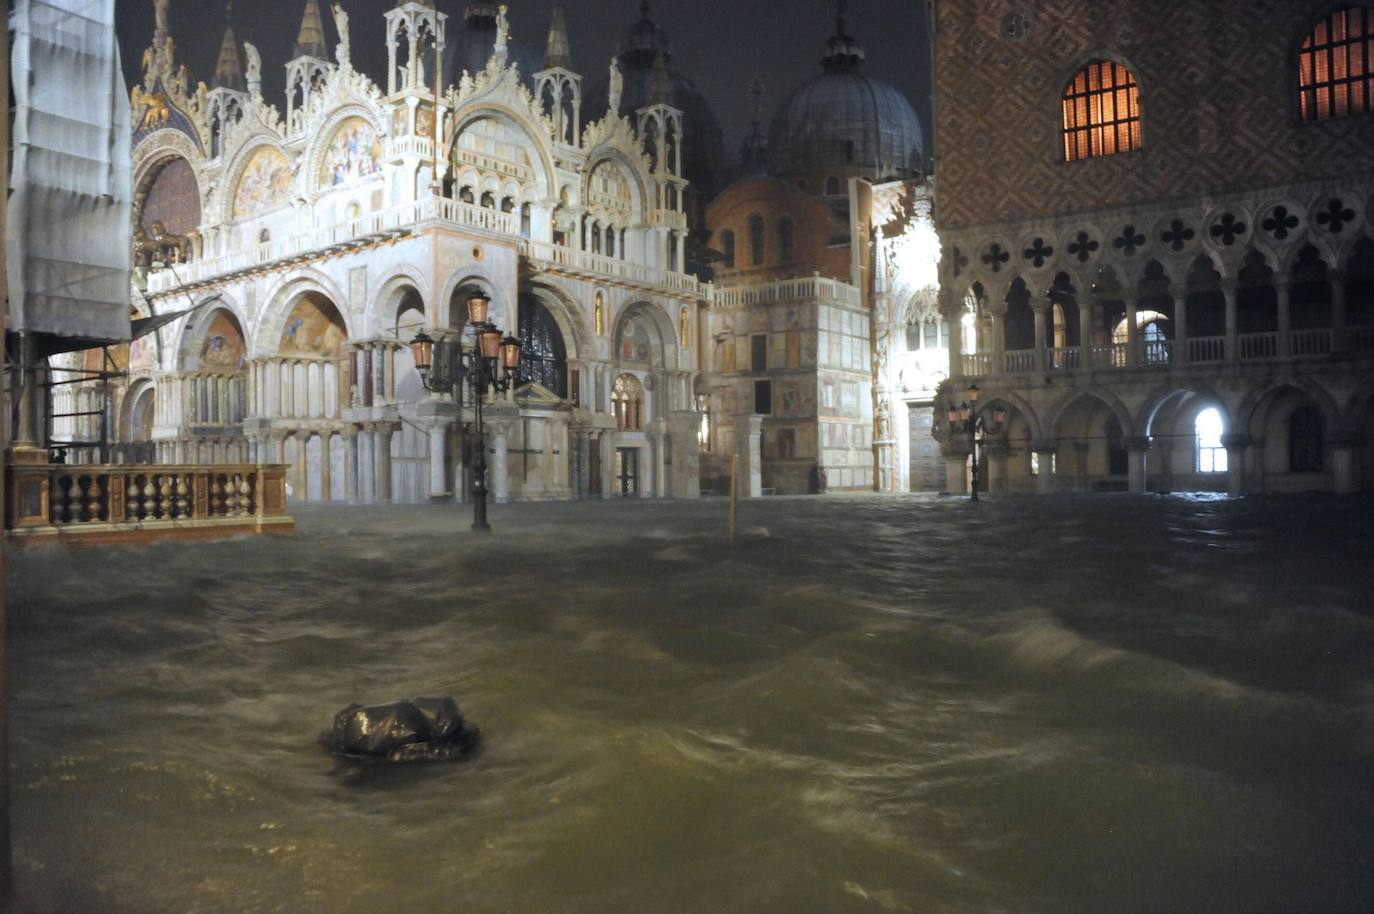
(719, 44)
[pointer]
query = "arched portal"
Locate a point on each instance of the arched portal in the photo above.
(543, 355)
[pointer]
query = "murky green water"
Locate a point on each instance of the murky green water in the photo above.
(1095, 705)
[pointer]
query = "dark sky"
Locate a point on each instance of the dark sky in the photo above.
(717, 43)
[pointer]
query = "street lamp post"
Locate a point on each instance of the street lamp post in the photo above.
(965, 418)
(492, 363)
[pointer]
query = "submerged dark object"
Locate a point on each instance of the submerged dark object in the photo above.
(414, 730)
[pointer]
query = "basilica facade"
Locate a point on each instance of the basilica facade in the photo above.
(294, 249)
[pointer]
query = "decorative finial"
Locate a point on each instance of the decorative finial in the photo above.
(756, 89)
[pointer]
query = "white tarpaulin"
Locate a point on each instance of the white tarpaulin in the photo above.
(67, 235)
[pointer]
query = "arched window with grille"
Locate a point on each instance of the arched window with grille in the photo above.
(1100, 112)
(543, 358)
(627, 402)
(756, 253)
(1336, 65)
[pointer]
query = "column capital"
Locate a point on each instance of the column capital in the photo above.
(1045, 446)
(1139, 444)
(1236, 441)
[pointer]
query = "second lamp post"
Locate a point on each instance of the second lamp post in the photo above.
(965, 418)
(493, 363)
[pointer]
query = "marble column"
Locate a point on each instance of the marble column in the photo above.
(382, 446)
(1236, 447)
(1137, 456)
(749, 447)
(1179, 293)
(1284, 293)
(1044, 480)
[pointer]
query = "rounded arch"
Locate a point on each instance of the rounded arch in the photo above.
(1166, 395)
(320, 146)
(565, 314)
(639, 183)
(390, 294)
(136, 414)
(641, 323)
(545, 175)
(1055, 417)
(157, 147)
(1251, 413)
(475, 277)
(215, 314)
(280, 186)
(267, 334)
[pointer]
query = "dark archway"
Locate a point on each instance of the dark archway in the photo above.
(543, 355)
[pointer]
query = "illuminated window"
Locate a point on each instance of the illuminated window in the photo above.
(627, 402)
(1336, 65)
(1211, 456)
(1101, 112)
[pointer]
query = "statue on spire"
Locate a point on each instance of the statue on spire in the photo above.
(160, 16)
(341, 51)
(617, 86)
(254, 70)
(502, 34)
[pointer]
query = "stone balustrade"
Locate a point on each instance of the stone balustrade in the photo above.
(799, 289)
(137, 503)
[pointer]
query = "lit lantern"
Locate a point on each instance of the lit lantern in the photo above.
(422, 351)
(478, 305)
(973, 393)
(490, 340)
(510, 354)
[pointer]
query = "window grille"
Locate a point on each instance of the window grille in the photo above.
(1336, 65)
(1101, 112)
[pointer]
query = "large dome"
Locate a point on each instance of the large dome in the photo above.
(844, 120)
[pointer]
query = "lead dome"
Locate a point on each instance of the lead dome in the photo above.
(844, 121)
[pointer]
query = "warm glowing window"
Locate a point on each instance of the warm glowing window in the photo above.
(1101, 112)
(1211, 455)
(1336, 65)
(627, 403)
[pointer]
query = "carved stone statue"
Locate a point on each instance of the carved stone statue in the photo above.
(341, 52)
(617, 86)
(502, 32)
(254, 69)
(160, 14)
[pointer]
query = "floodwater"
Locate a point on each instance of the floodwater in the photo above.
(1106, 704)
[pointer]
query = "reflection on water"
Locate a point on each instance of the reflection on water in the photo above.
(1059, 705)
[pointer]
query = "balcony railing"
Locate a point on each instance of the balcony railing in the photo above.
(1203, 349)
(557, 256)
(1307, 343)
(1019, 361)
(1064, 358)
(341, 236)
(1258, 345)
(1157, 352)
(128, 503)
(800, 289)
(977, 363)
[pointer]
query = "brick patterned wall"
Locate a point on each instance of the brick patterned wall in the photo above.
(1218, 97)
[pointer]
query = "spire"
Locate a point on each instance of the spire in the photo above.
(754, 152)
(310, 39)
(559, 53)
(842, 53)
(229, 70)
(756, 89)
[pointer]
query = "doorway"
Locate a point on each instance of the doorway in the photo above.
(627, 471)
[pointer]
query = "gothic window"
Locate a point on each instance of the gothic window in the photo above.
(1305, 440)
(1336, 65)
(756, 254)
(264, 236)
(727, 246)
(1211, 456)
(1101, 112)
(785, 233)
(543, 359)
(627, 402)
(488, 200)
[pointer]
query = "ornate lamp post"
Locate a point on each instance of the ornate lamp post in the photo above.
(492, 363)
(965, 418)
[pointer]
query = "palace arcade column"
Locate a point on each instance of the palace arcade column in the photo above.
(684, 427)
(749, 446)
(1137, 455)
(1046, 452)
(1237, 447)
